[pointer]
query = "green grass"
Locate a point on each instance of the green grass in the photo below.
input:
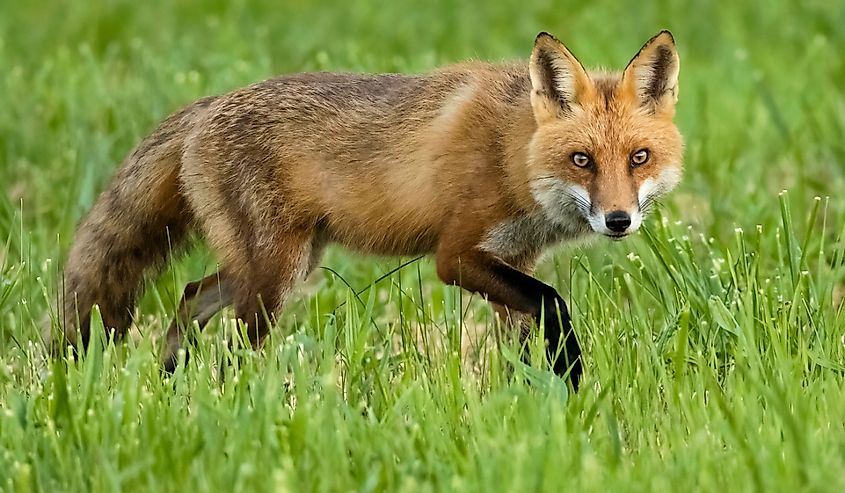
(714, 340)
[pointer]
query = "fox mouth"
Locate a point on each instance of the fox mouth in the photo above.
(617, 236)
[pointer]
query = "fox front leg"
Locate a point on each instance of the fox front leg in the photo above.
(482, 273)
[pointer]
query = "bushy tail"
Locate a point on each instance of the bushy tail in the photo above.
(135, 223)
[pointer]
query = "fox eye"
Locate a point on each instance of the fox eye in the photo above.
(581, 160)
(640, 157)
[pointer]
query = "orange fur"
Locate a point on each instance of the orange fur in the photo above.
(472, 162)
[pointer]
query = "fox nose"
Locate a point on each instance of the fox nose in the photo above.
(617, 221)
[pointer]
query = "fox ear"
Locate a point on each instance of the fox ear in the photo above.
(652, 75)
(558, 80)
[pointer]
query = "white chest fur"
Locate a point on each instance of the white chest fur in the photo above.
(530, 234)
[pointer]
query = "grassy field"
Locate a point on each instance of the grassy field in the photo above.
(714, 340)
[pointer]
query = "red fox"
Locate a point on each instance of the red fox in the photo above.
(483, 165)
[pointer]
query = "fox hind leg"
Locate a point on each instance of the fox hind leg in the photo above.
(201, 300)
(263, 242)
(258, 286)
(268, 277)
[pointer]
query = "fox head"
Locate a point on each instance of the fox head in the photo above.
(605, 146)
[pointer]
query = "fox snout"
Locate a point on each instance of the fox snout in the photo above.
(616, 223)
(619, 214)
